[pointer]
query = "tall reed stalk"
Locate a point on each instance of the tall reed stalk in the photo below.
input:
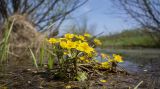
(4, 44)
(34, 58)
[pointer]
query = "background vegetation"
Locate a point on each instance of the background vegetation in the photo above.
(128, 39)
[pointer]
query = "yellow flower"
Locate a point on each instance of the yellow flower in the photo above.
(91, 54)
(82, 58)
(52, 40)
(89, 50)
(97, 42)
(103, 81)
(85, 48)
(70, 44)
(110, 60)
(87, 35)
(82, 46)
(68, 87)
(87, 61)
(103, 55)
(80, 37)
(65, 53)
(78, 42)
(105, 65)
(117, 58)
(69, 36)
(63, 44)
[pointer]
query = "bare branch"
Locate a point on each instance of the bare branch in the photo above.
(145, 12)
(40, 12)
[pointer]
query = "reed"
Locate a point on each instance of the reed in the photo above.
(4, 44)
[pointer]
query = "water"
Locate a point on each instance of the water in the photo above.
(145, 63)
(138, 60)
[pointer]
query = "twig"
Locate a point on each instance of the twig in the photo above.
(138, 85)
(99, 73)
(14, 54)
(84, 64)
(85, 68)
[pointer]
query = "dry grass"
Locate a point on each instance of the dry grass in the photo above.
(22, 37)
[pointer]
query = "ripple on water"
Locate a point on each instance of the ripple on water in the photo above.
(133, 67)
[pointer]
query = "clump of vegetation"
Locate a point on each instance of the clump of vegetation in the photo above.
(73, 57)
(17, 35)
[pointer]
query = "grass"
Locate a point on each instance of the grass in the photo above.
(42, 54)
(34, 59)
(4, 46)
(128, 38)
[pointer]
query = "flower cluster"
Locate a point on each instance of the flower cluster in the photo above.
(72, 43)
(109, 60)
(79, 44)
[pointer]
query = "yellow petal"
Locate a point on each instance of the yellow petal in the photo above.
(103, 81)
(68, 87)
(87, 35)
(117, 58)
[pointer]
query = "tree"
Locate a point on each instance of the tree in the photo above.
(41, 12)
(145, 12)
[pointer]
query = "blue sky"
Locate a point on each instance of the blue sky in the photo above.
(104, 15)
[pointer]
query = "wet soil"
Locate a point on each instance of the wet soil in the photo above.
(27, 77)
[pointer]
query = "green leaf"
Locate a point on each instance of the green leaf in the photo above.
(81, 76)
(50, 62)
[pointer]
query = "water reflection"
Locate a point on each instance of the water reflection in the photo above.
(138, 60)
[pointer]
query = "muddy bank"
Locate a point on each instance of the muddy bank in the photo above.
(27, 78)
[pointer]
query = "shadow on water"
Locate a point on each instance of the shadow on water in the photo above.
(140, 61)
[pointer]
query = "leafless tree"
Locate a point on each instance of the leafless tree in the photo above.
(145, 12)
(42, 12)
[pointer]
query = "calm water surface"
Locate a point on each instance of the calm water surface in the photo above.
(138, 60)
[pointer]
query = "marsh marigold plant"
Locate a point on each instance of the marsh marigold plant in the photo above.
(72, 49)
